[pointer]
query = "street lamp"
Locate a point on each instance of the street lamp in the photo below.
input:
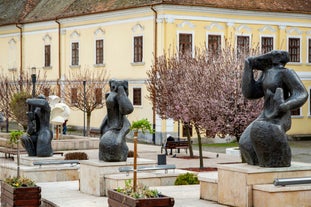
(33, 79)
(84, 96)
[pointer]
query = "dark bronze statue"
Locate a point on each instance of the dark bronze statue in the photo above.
(264, 142)
(115, 126)
(37, 141)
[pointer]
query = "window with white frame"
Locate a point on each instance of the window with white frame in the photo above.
(242, 45)
(99, 45)
(294, 49)
(266, 44)
(138, 49)
(214, 44)
(137, 97)
(295, 112)
(185, 44)
(75, 53)
(47, 55)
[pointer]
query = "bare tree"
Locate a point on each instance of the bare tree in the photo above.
(83, 90)
(16, 85)
(202, 91)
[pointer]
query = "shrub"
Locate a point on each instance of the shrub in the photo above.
(187, 179)
(76, 156)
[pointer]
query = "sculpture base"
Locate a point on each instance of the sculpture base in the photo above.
(241, 184)
(92, 173)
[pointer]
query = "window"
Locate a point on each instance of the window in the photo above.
(138, 49)
(309, 49)
(185, 129)
(98, 96)
(295, 112)
(294, 49)
(214, 44)
(137, 96)
(74, 95)
(75, 53)
(99, 51)
(47, 55)
(266, 44)
(242, 45)
(185, 44)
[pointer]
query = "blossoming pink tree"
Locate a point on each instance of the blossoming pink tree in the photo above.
(203, 91)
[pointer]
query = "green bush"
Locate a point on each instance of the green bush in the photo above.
(187, 179)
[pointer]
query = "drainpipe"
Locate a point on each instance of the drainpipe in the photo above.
(156, 65)
(59, 59)
(20, 27)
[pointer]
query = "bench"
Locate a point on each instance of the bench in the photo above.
(56, 162)
(128, 169)
(179, 144)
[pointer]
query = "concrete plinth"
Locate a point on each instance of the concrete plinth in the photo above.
(209, 186)
(46, 173)
(153, 178)
(269, 195)
(28, 161)
(236, 181)
(92, 173)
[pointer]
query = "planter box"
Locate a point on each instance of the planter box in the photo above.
(116, 199)
(24, 196)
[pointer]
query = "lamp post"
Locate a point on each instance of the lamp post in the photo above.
(34, 80)
(84, 103)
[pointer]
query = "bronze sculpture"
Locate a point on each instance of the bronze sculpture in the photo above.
(37, 141)
(115, 126)
(264, 142)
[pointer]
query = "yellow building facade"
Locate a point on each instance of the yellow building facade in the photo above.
(154, 28)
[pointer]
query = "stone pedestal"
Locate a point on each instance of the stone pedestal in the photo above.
(236, 181)
(92, 173)
(28, 161)
(269, 195)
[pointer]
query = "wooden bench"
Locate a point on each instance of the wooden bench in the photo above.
(128, 169)
(56, 162)
(177, 144)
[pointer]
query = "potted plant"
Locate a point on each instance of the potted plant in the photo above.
(142, 196)
(20, 191)
(133, 195)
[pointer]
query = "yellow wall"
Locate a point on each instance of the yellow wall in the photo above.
(118, 28)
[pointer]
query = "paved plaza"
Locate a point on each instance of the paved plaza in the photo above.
(67, 194)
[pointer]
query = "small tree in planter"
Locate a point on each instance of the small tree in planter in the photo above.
(17, 190)
(133, 195)
(15, 137)
(142, 125)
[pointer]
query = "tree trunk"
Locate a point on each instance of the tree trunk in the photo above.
(200, 146)
(189, 140)
(88, 123)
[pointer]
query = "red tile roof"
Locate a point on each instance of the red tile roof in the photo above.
(15, 11)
